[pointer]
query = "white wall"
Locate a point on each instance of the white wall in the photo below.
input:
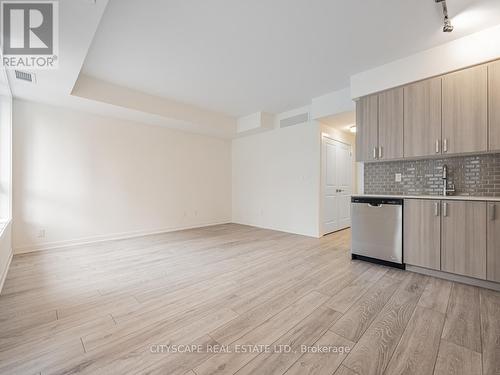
(332, 103)
(5, 158)
(458, 54)
(276, 177)
(5, 185)
(82, 177)
(5, 252)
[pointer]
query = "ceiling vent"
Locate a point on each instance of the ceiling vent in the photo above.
(25, 76)
(294, 120)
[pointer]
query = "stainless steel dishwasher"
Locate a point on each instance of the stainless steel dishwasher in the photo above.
(377, 230)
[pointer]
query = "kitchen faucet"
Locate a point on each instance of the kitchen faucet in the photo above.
(447, 191)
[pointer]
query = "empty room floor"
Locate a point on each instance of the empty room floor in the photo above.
(246, 301)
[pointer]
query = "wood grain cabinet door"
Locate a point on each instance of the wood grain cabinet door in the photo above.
(465, 111)
(463, 239)
(422, 233)
(367, 128)
(422, 118)
(390, 124)
(493, 254)
(494, 105)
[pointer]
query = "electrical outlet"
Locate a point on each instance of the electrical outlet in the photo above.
(398, 177)
(41, 233)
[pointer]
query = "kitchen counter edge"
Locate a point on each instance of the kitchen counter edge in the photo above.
(432, 197)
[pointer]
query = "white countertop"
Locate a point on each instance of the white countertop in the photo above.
(438, 197)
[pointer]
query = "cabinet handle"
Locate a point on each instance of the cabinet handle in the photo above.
(445, 145)
(445, 209)
(492, 212)
(375, 152)
(437, 146)
(380, 156)
(436, 209)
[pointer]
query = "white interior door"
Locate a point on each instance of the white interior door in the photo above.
(337, 185)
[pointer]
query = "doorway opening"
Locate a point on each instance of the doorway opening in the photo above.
(339, 172)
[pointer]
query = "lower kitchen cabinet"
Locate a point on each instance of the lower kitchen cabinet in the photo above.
(493, 253)
(463, 238)
(422, 233)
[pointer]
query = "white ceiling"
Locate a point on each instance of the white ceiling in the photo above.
(240, 57)
(65, 87)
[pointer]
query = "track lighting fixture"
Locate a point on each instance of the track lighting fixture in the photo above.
(447, 28)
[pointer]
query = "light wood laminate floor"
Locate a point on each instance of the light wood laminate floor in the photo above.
(253, 301)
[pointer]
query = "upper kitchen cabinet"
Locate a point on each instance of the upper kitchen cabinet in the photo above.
(465, 111)
(494, 105)
(390, 124)
(422, 118)
(367, 126)
(457, 113)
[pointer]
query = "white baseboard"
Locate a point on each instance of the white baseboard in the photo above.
(110, 237)
(457, 278)
(6, 270)
(277, 229)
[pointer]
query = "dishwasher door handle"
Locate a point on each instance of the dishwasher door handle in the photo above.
(374, 205)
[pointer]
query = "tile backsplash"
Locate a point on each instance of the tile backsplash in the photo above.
(477, 175)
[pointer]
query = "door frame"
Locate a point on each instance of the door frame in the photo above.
(323, 178)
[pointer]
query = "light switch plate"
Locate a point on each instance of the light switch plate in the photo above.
(398, 177)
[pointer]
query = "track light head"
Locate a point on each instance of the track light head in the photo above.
(447, 27)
